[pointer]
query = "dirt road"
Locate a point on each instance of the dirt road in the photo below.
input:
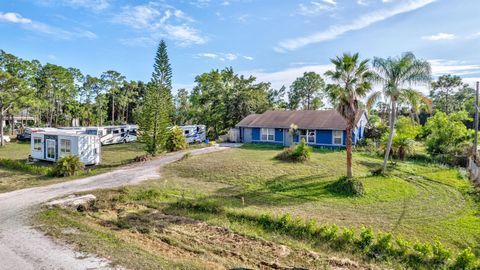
(23, 247)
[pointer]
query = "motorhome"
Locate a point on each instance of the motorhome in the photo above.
(114, 134)
(194, 133)
(52, 145)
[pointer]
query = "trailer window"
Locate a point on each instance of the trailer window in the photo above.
(37, 144)
(65, 147)
(116, 131)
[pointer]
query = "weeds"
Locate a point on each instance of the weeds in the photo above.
(27, 168)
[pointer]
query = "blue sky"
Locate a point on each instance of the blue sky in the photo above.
(275, 40)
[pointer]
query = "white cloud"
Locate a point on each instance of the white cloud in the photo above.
(363, 21)
(224, 56)
(314, 8)
(29, 24)
(156, 21)
(439, 36)
(286, 76)
(474, 36)
(455, 67)
(95, 5)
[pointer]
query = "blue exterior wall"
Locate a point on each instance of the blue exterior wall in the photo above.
(279, 135)
(323, 136)
(255, 134)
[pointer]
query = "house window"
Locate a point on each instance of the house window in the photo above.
(65, 147)
(37, 144)
(338, 137)
(268, 134)
(308, 135)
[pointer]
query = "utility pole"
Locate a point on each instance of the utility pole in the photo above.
(475, 142)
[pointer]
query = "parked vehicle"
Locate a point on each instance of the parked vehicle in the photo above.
(27, 133)
(114, 134)
(52, 145)
(194, 133)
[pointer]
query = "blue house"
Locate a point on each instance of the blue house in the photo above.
(322, 128)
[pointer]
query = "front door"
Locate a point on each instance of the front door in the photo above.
(51, 150)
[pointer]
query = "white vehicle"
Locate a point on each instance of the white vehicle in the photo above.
(52, 145)
(194, 133)
(114, 134)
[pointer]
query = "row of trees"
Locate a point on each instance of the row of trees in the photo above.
(59, 96)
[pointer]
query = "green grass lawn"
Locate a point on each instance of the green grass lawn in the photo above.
(418, 201)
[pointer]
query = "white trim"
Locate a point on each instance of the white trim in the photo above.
(306, 136)
(267, 133)
(63, 148)
(47, 141)
(41, 144)
(333, 137)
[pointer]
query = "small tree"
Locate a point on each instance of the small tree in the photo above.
(447, 134)
(175, 140)
(403, 142)
(68, 166)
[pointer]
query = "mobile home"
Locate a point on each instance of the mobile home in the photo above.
(194, 133)
(53, 145)
(114, 134)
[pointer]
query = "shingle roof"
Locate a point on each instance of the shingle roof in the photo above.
(323, 119)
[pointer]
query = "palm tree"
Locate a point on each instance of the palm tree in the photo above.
(417, 101)
(351, 81)
(396, 75)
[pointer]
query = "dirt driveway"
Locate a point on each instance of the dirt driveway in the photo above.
(23, 247)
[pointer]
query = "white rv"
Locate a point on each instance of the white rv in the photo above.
(194, 133)
(52, 145)
(114, 134)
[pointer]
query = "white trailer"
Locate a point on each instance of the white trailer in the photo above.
(114, 134)
(53, 145)
(194, 133)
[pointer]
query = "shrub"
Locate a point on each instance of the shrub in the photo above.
(403, 247)
(383, 247)
(366, 239)
(440, 254)
(175, 140)
(465, 260)
(421, 254)
(299, 153)
(68, 166)
(329, 233)
(347, 237)
(348, 186)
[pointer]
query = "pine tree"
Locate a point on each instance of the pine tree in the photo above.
(162, 75)
(157, 111)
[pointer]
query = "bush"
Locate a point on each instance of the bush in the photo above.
(175, 140)
(346, 238)
(383, 247)
(441, 255)
(348, 186)
(68, 166)
(465, 260)
(366, 239)
(420, 255)
(299, 153)
(403, 247)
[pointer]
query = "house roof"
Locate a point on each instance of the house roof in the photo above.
(322, 119)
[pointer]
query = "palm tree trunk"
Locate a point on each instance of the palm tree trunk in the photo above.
(393, 116)
(349, 149)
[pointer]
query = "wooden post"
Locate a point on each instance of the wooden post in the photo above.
(475, 142)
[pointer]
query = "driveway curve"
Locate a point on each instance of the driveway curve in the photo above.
(24, 247)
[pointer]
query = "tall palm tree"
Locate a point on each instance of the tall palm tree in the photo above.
(396, 75)
(351, 80)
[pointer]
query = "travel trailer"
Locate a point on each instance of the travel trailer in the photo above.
(114, 134)
(194, 133)
(52, 145)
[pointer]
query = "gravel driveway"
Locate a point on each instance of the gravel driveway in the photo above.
(23, 247)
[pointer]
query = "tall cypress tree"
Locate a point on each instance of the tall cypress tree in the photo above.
(157, 110)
